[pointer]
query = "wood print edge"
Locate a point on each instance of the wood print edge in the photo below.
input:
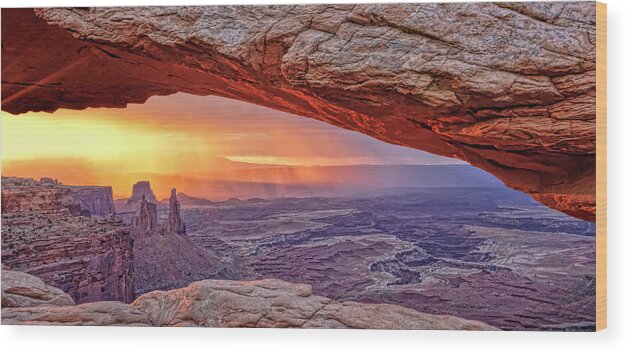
(601, 183)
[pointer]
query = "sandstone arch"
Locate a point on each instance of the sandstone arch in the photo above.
(510, 88)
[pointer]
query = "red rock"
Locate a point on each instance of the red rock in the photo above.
(507, 87)
(174, 224)
(21, 195)
(43, 234)
(106, 313)
(144, 223)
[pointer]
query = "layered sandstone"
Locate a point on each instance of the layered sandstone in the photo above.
(94, 200)
(22, 195)
(43, 234)
(215, 303)
(275, 303)
(50, 196)
(510, 88)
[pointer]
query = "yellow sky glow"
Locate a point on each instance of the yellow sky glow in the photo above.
(183, 141)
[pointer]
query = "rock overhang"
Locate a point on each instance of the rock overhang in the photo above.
(513, 93)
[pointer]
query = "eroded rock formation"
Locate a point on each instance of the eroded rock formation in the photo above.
(144, 223)
(216, 303)
(174, 224)
(164, 257)
(510, 88)
(43, 234)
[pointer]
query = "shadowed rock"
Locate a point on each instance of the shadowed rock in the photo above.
(174, 224)
(20, 289)
(144, 223)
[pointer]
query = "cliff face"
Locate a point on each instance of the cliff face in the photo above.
(52, 197)
(266, 303)
(510, 88)
(27, 195)
(43, 233)
(94, 200)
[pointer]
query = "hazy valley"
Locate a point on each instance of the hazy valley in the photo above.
(488, 254)
(445, 240)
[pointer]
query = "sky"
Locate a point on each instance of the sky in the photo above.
(175, 138)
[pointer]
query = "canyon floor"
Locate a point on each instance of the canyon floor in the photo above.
(472, 256)
(488, 254)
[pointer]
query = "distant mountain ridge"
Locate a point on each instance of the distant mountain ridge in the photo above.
(187, 200)
(328, 181)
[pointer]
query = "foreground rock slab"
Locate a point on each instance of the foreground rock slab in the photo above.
(20, 289)
(26, 300)
(220, 303)
(508, 87)
(275, 303)
(89, 314)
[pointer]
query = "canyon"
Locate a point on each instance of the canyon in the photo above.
(436, 255)
(45, 231)
(509, 88)
(163, 255)
(481, 253)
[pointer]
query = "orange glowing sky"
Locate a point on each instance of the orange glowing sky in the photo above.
(180, 140)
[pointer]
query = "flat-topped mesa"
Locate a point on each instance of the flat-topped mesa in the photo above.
(142, 191)
(144, 223)
(23, 195)
(48, 181)
(94, 200)
(49, 195)
(174, 224)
